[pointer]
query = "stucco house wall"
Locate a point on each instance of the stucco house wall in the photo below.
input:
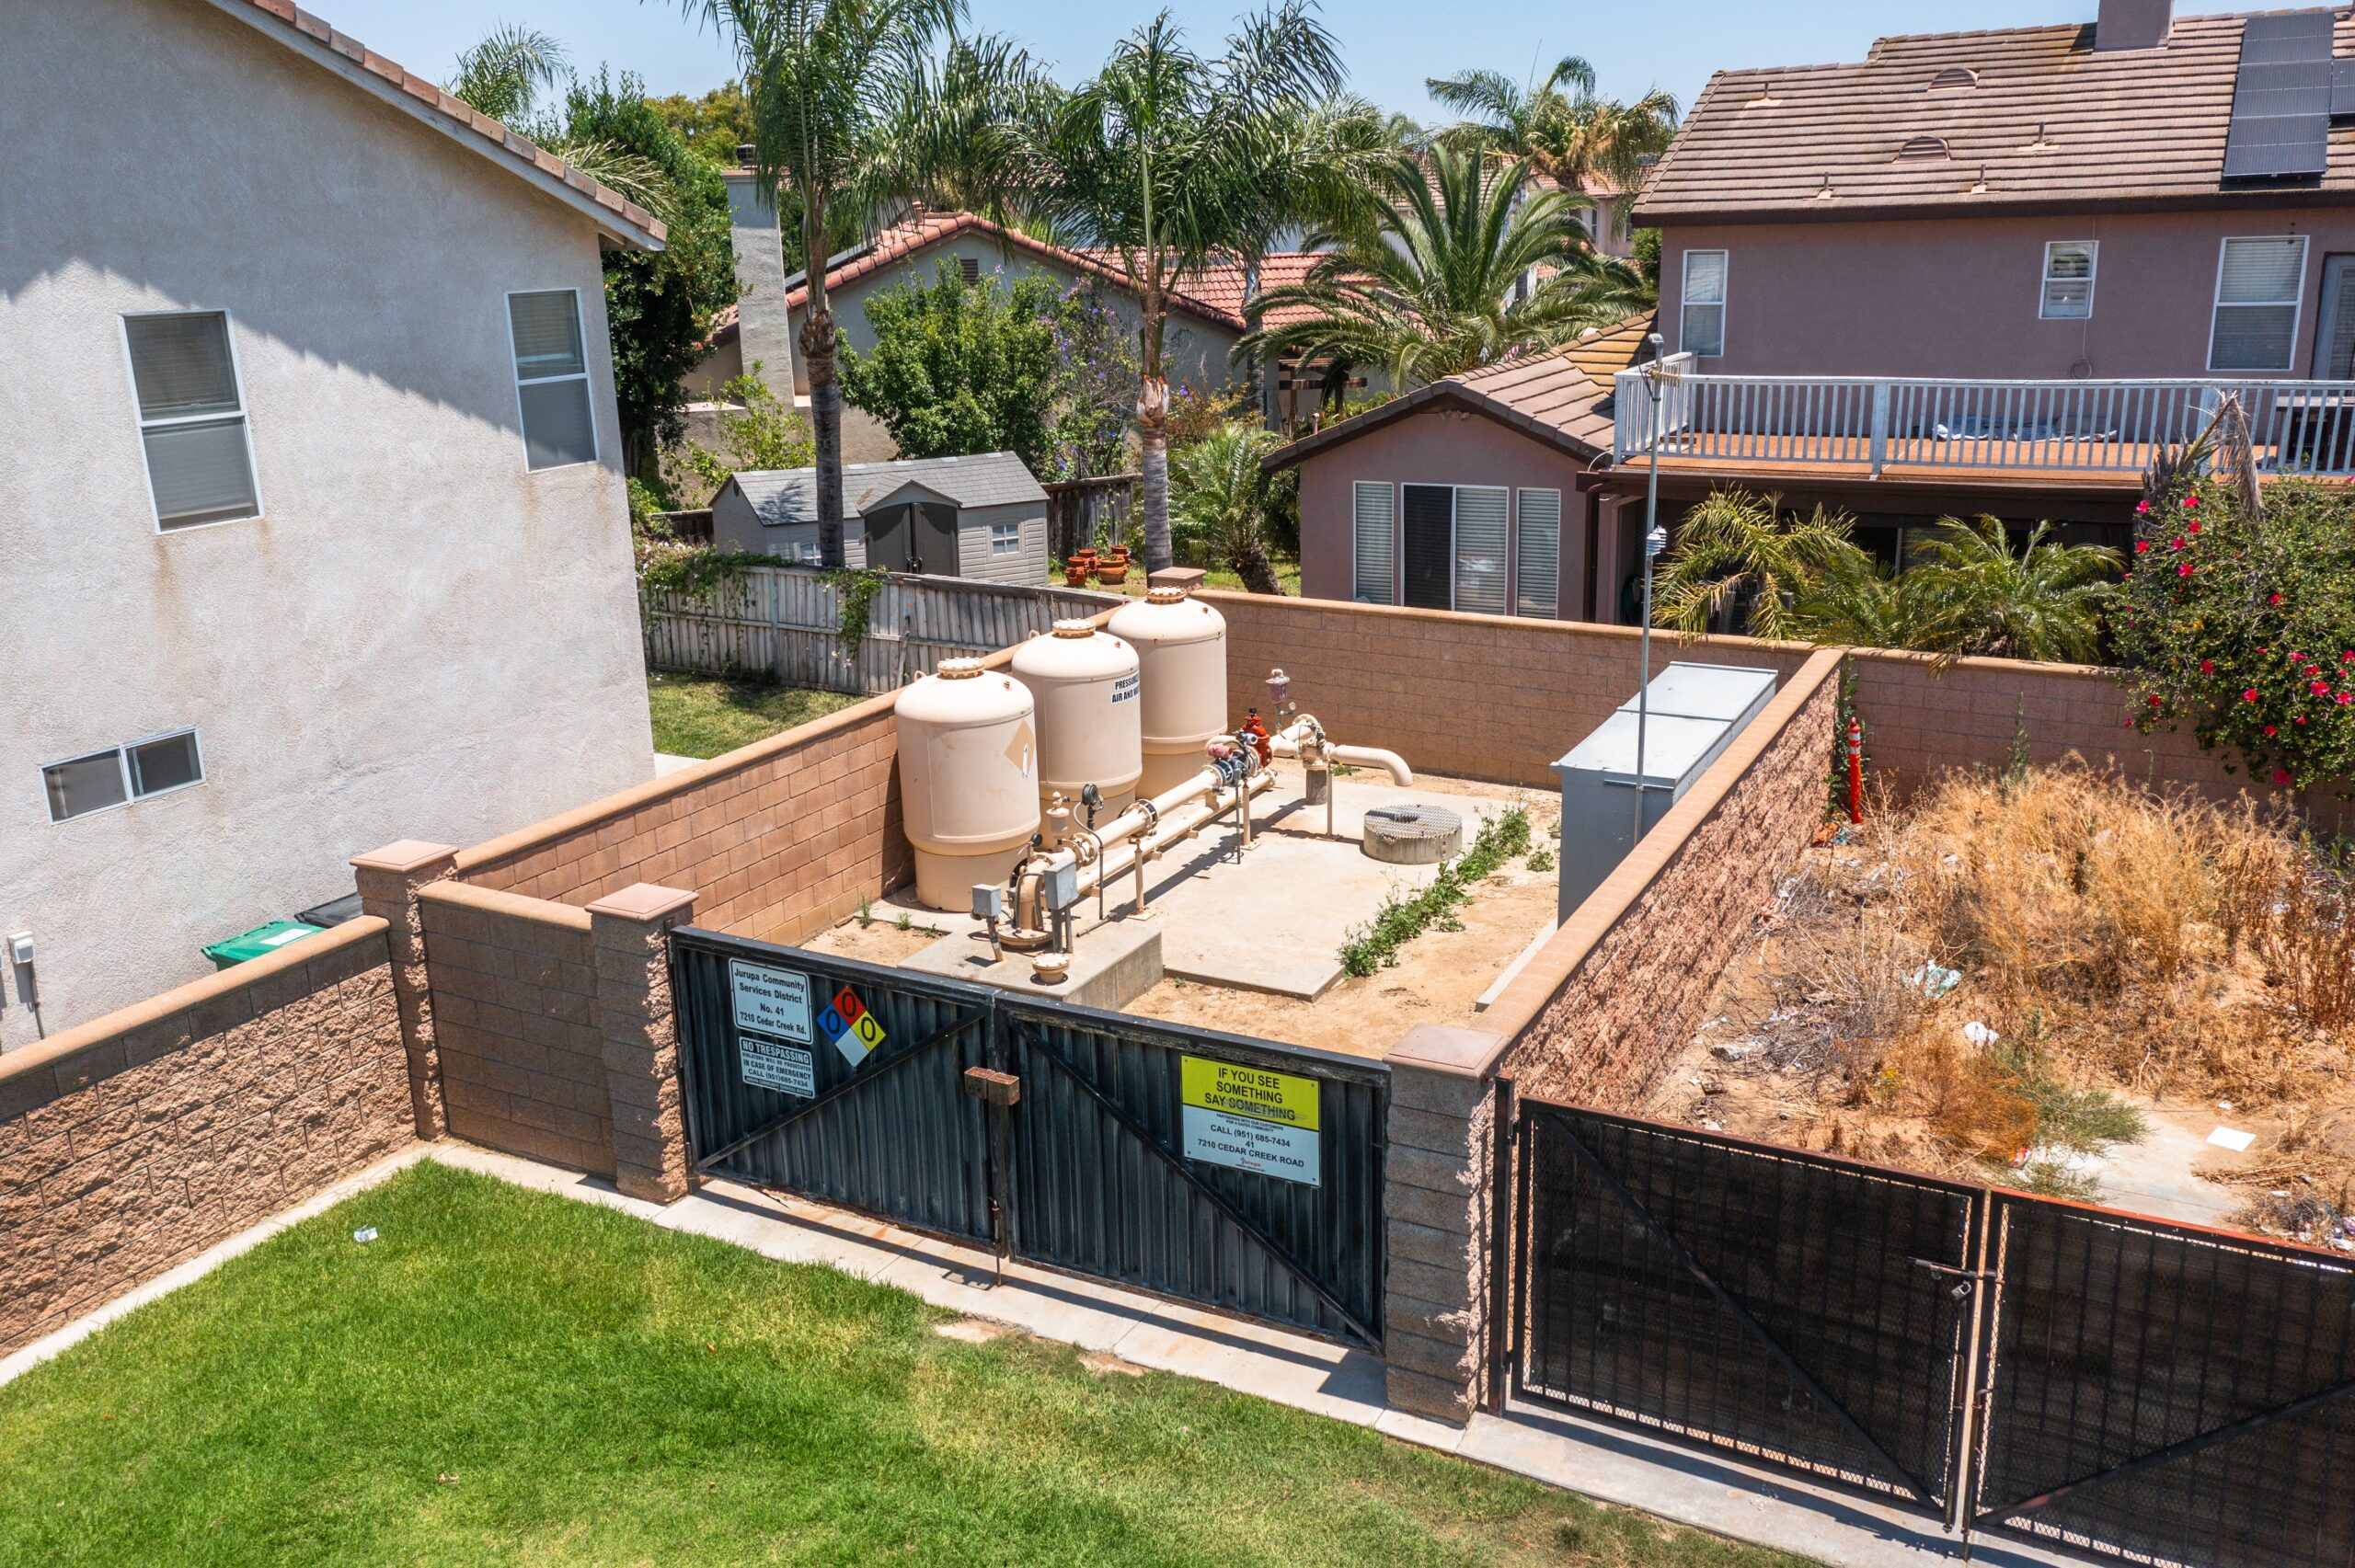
(1436, 446)
(418, 637)
(1958, 297)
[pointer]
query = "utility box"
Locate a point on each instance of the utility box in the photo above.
(1696, 710)
(258, 943)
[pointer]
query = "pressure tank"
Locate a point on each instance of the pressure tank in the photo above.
(1181, 655)
(969, 778)
(1085, 682)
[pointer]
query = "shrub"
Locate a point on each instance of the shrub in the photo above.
(2242, 626)
(960, 367)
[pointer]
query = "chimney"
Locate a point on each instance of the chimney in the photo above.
(764, 330)
(2132, 24)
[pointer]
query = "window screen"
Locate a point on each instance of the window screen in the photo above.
(2256, 325)
(191, 417)
(551, 379)
(2068, 280)
(1480, 549)
(164, 763)
(1537, 554)
(120, 774)
(1374, 541)
(1703, 332)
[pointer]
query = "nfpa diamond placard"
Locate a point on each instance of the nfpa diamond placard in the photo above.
(850, 1027)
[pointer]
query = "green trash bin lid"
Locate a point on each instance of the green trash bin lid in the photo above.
(258, 943)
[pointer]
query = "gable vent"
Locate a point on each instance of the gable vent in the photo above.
(1923, 148)
(1955, 76)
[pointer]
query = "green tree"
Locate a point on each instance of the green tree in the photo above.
(658, 306)
(960, 367)
(1855, 599)
(1226, 507)
(838, 95)
(757, 434)
(1979, 595)
(715, 125)
(1440, 281)
(1167, 158)
(1737, 549)
(1092, 399)
(1558, 125)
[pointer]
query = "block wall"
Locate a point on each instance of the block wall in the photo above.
(136, 1141)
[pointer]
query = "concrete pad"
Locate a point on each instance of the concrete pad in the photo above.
(1112, 963)
(1053, 1306)
(1253, 1358)
(789, 1230)
(1274, 919)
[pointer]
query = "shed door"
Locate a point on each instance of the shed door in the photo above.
(1429, 546)
(888, 539)
(933, 544)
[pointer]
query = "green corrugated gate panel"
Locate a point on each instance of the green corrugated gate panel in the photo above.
(258, 943)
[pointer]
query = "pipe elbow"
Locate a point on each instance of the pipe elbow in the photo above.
(1374, 757)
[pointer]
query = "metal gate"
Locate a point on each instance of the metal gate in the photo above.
(1234, 1173)
(1999, 1361)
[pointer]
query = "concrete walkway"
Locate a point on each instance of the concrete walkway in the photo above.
(1709, 1491)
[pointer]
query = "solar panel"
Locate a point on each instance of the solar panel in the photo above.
(2342, 90)
(2282, 99)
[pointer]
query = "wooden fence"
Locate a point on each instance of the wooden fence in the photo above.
(784, 623)
(1080, 509)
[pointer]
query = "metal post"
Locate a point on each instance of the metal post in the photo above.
(1654, 540)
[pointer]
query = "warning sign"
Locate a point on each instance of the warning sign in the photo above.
(773, 1064)
(850, 1027)
(773, 1001)
(1249, 1119)
(1249, 1091)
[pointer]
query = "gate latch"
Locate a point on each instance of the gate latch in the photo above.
(992, 1088)
(1965, 1279)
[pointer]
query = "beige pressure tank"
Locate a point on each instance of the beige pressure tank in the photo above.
(1086, 685)
(1181, 654)
(969, 778)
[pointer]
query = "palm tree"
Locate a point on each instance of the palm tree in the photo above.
(1168, 159)
(1857, 601)
(1438, 281)
(1222, 499)
(1736, 547)
(503, 75)
(844, 113)
(2043, 601)
(1564, 131)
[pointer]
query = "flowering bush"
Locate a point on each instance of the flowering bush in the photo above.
(2243, 627)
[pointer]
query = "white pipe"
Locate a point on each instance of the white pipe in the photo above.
(1303, 728)
(1177, 825)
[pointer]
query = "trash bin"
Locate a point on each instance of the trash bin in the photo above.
(258, 943)
(335, 911)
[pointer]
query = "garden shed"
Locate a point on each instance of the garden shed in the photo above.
(982, 517)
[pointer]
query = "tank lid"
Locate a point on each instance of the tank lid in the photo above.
(1165, 596)
(1075, 628)
(958, 669)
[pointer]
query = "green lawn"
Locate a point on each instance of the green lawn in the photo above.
(1287, 578)
(505, 1376)
(703, 715)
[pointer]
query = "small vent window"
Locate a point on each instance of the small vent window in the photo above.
(1923, 148)
(1954, 76)
(2068, 280)
(970, 267)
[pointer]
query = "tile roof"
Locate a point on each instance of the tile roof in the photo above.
(1561, 397)
(782, 496)
(309, 36)
(2031, 118)
(1215, 293)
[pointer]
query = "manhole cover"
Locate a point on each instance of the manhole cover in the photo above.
(1413, 835)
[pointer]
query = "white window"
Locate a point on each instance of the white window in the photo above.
(191, 417)
(1537, 554)
(1006, 538)
(2068, 280)
(1374, 541)
(1703, 330)
(551, 379)
(157, 765)
(2257, 284)
(1480, 549)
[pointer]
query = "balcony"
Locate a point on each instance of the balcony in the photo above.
(2100, 434)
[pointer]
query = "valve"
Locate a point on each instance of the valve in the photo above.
(1254, 734)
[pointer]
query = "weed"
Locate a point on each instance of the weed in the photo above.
(1540, 860)
(1399, 921)
(907, 922)
(865, 912)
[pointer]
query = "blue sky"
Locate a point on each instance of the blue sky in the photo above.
(1391, 45)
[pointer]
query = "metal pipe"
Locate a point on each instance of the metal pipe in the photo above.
(1305, 731)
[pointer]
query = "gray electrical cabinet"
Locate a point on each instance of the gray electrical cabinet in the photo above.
(1695, 712)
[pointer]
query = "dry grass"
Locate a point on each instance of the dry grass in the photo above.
(2112, 939)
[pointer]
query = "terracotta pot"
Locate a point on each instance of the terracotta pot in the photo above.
(1077, 573)
(1111, 571)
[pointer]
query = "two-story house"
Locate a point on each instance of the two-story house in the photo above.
(1976, 272)
(312, 512)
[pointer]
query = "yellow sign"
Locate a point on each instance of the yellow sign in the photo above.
(1249, 1091)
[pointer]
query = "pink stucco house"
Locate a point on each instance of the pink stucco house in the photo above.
(1974, 272)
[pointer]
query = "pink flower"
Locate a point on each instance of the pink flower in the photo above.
(2178, 542)
(2142, 547)
(2279, 777)
(2347, 658)
(2142, 509)
(2264, 650)
(2155, 700)
(2207, 667)
(2300, 719)
(2268, 729)
(2320, 689)
(2184, 570)
(2249, 695)
(2195, 527)
(2190, 502)
(2275, 600)
(2345, 698)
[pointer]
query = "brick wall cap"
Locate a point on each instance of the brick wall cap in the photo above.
(514, 906)
(642, 902)
(111, 1026)
(1187, 578)
(1443, 1047)
(1528, 625)
(405, 855)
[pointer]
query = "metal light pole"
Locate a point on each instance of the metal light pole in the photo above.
(1654, 541)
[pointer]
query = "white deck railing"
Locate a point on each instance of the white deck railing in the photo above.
(1891, 424)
